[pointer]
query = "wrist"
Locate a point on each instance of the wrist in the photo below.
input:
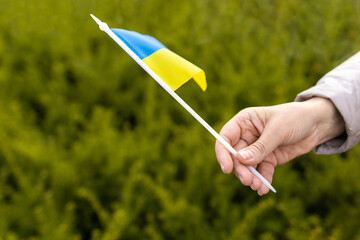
(328, 122)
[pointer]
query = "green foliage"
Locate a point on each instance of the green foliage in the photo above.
(92, 148)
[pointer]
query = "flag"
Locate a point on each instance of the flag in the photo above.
(167, 69)
(170, 67)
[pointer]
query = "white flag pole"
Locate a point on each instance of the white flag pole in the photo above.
(104, 27)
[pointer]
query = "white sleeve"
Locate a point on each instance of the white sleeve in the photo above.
(342, 87)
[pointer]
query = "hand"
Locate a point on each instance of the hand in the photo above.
(269, 136)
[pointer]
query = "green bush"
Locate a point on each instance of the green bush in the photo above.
(92, 148)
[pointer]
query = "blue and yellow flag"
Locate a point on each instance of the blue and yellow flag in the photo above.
(170, 67)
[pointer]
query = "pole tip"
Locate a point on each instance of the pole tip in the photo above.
(102, 25)
(95, 19)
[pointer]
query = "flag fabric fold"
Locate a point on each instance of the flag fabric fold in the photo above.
(170, 67)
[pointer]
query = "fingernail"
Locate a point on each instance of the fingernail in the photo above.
(259, 194)
(240, 177)
(246, 154)
(222, 167)
(252, 187)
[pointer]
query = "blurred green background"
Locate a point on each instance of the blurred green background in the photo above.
(92, 148)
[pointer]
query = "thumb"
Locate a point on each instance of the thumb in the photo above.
(256, 152)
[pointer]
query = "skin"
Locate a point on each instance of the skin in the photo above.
(270, 136)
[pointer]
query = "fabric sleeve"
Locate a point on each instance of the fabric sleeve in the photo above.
(342, 87)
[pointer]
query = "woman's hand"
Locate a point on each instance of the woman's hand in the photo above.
(269, 136)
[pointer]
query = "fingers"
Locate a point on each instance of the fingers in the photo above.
(224, 158)
(243, 173)
(231, 133)
(251, 155)
(266, 169)
(255, 155)
(269, 140)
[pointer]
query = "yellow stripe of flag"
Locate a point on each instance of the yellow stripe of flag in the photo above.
(174, 70)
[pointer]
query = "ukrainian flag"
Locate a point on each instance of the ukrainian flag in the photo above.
(170, 67)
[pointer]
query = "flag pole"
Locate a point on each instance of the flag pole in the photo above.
(104, 27)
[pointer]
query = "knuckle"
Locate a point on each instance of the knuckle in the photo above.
(260, 147)
(237, 171)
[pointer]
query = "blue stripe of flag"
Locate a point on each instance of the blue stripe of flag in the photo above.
(141, 45)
